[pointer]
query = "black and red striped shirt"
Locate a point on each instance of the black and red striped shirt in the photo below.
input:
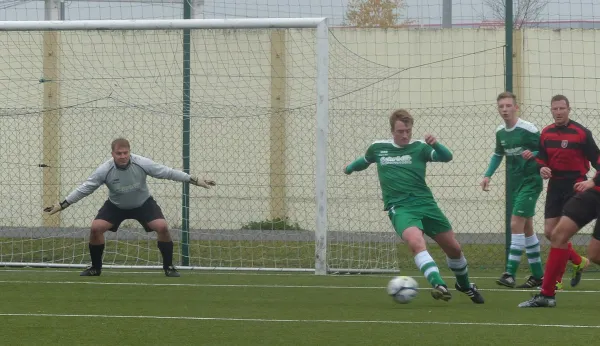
(568, 150)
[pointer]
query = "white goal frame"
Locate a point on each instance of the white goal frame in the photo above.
(322, 101)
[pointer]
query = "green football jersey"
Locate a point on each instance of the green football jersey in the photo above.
(512, 142)
(401, 170)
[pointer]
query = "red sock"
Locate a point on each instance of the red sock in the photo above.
(562, 272)
(557, 261)
(573, 255)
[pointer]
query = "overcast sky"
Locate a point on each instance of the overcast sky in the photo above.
(423, 11)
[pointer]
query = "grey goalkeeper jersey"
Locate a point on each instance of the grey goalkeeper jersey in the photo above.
(127, 186)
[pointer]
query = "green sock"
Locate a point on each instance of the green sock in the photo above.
(461, 271)
(430, 270)
(517, 244)
(532, 248)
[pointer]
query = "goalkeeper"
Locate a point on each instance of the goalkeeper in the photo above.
(129, 198)
(412, 209)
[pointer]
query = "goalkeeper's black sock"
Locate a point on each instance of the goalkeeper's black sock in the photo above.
(166, 250)
(96, 252)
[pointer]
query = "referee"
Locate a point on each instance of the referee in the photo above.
(566, 150)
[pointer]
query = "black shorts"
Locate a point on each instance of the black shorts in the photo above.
(144, 214)
(583, 208)
(558, 195)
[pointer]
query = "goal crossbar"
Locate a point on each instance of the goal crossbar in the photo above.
(162, 24)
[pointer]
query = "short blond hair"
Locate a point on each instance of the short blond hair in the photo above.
(401, 115)
(507, 95)
(120, 143)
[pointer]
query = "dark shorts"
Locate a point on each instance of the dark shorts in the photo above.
(144, 214)
(583, 208)
(557, 197)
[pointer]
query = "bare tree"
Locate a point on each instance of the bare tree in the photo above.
(523, 10)
(376, 13)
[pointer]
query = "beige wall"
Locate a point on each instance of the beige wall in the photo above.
(130, 84)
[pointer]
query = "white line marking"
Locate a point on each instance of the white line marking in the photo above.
(234, 273)
(265, 320)
(101, 283)
(21, 282)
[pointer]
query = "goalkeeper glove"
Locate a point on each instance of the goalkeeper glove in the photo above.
(202, 182)
(53, 209)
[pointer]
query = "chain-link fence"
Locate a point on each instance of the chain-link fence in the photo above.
(253, 97)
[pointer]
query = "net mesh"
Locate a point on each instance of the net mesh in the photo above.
(252, 129)
(253, 122)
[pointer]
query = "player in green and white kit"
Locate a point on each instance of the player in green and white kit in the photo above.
(412, 209)
(518, 140)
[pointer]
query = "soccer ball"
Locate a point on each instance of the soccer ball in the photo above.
(403, 289)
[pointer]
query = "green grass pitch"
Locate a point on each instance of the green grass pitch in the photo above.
(129, 307)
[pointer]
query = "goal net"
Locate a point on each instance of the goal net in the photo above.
(270, 126)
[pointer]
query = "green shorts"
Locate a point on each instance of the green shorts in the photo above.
(525, 196)
(428, 217)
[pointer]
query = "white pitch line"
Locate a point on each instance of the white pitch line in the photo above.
(101, 283)
(182, 284)
(265, 320)
(234, 273)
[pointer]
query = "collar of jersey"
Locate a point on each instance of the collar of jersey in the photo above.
(514, 127)
(409, 143)
(123, 168)
(565, 125)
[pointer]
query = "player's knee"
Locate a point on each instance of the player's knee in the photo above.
(594, 257)
(415, 240)
(417, 246)
(548, 233)
(160, 227)
(593, 251)
(454, 251)
(98, 228)
(549, 226)
(513, 225)
(517, 224)
(451, 247)
(162, 230)
(528, 229)
(564, 230)
(559, 236)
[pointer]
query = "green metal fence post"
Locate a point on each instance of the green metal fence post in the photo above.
(185, 197)
(508, 27)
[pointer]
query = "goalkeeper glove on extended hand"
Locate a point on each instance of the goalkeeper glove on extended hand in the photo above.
(53, 209)
(202, 182)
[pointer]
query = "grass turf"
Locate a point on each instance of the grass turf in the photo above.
(251, 254)
(57, 307)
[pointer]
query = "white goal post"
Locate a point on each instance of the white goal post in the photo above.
(165, 24)
(246, 103)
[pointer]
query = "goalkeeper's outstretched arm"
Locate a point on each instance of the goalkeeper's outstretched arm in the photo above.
(160, 171)
(87, 188)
